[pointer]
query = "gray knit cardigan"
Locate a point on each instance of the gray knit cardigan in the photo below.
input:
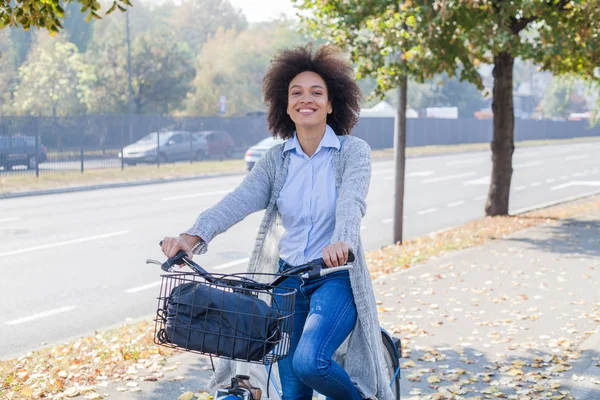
(363, 357)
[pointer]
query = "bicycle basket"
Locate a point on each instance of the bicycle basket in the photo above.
(232, 318)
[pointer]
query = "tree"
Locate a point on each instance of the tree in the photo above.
(48, 14)
(233, 64)
(53, 81)
(195, 21)
(455, 37)
(8, 72)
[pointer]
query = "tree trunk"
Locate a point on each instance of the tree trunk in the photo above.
(503, 142)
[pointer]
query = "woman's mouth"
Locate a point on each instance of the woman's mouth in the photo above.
(306, 111)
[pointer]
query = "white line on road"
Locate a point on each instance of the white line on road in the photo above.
(449, 177)
(467, 161)
(9, 219)
(527, 164)
(550, 180)
(231, 264)
(59, 244)
(427, 211)
(411, 175)
(576, 183)
(390, 220)
(143, 287)
(479, 198)
(577, 157)
(534, 184)
(519, 188)
(40, 315)
(456, 203)
(381, 172)
(191, 196)
(484, 180)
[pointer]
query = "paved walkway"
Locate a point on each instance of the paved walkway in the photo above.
(515, 318)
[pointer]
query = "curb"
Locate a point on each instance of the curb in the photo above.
(113, 185)
(555, 202)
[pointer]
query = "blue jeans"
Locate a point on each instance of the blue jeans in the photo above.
(324, 316)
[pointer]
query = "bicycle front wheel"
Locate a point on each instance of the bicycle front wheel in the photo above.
(392, 364)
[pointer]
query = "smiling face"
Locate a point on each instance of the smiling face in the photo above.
(308, 100)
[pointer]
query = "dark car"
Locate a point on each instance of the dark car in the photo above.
(20, 150)
(219, 143)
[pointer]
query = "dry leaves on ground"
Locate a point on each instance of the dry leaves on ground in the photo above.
(395, 258)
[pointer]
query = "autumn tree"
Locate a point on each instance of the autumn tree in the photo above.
(233, 64)
(420, 38)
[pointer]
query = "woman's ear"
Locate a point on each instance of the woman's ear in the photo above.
(329, 107)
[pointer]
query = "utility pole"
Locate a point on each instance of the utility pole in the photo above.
(400, 158)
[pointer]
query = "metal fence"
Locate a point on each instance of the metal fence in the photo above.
(107, 141)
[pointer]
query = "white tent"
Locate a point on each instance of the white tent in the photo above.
(385, 109)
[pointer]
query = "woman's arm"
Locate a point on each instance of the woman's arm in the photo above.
(351, 203)
(251, 195)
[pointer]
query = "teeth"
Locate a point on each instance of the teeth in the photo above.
(304, 110)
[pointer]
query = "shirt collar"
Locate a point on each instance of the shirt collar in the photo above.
(329, 139)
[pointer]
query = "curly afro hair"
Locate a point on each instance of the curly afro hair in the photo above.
(343, 91)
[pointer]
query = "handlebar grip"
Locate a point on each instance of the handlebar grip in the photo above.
(351, 257)
(172, 261)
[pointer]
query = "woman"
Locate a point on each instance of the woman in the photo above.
(313, 186)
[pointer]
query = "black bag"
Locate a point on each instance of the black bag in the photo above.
(223, 323)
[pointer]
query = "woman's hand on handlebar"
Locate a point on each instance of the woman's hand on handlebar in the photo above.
(171, 245)
(336, 254)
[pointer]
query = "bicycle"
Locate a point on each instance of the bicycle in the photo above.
(224, 300)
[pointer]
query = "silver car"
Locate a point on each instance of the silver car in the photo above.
(165, 147)
(254, 153)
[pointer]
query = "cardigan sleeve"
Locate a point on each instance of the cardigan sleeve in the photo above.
(251, 195)
(351, 203)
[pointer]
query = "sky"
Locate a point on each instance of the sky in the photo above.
(264, 10)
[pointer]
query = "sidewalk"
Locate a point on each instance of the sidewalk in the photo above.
(515, 318)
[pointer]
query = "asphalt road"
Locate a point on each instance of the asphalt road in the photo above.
(73, 263)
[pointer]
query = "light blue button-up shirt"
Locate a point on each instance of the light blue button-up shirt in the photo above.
(307, 201)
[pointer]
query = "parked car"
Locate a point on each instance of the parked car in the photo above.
(20, 150)
(166, 147)
(254, 153)
(219, 143)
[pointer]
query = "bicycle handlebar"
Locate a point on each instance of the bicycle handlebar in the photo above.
(312, 270)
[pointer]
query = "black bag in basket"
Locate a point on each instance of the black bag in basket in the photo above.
(222, 323)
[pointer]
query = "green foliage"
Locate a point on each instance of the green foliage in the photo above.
(48, 14)
(8, 71)
(54, 80)
(233, 64)
(185, 17)
(423, 38)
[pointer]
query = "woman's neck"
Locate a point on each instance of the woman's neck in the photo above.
(310, 137)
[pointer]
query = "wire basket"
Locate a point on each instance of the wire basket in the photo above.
(234, 317)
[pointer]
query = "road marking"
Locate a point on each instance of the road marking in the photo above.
(40, 315)
(9, 219)
(550, 180)
(143, 287)
(577, 157)
(456, 203)
(467, 161)
(575, 183)
(381, 172)
(519, 188)
(479, 198)
(191, 196)
(526, 153)
(449, 177)
(427, 211)
(231, 264)
(527, 164)
(390, 220)
(59, 244)
(534, 184)
(411, 175)
(484, 180)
